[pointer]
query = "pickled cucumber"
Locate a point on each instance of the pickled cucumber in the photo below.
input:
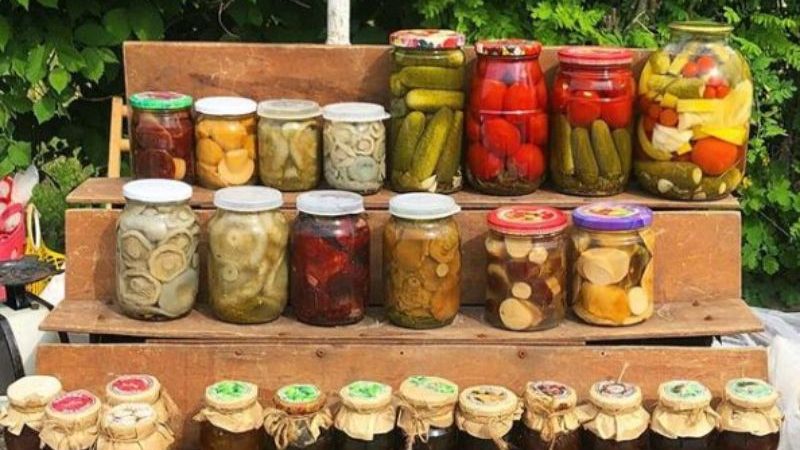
(605, 152)
(431, 77)
(680, 174)
(396, 85)
(659, 83)
(454, 58)
(715, 187)
(431, 144)
(622, 140)
(448, 164)
(687, 88)
(431, 100)
(659, 62)
(586, 168)
(562, 142)
(406, 141)
(397, 108)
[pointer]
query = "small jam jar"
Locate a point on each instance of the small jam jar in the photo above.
(143, 389)
(426, 411)
(225, 135)
(526, 267)
(232, 417)
(683, 418)
(485, 417)
(366, 418)
(550, 421)
(299, 420)
(135, 425)
(614, 418)
(749, 416)
(28, 397)
(71, 421)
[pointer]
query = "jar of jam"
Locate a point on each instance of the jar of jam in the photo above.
(526, 268)
(144, 389)
(366, 418)
(427, 87)
(157, 263)
(300, 419)
(683, 418)
(749, 418)
(422, 261)
(162, 136)
(612, 271)
(485, 417)
(330, 279)
(614, 418)
(225, 133)
(507, 120)
(22, 420)
(289, 147)
(425, 415)
(550, 420)
(132, 426)
(248, 269)
(232, 418)
(71, 422)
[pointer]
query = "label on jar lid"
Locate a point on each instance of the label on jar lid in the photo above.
(508, 47)
(132, 384)
(751, 392)
(367, 390)
(527, 220)
(684, 394)
(231, 394)
(164, 100)
(488, 400)
(74, 402)
(421, 389)
(612, 216)
(614, 396)
(427, 39)
(551, 389)
(299, 393)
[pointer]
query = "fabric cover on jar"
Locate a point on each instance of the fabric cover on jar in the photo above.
(614, 411)
(144, 389)
(550, 409)
(233, 406)
(683, 410)
(488, 412)
(71, 421)
(425, 402)
(133, 426)
(299, 416)
(366, 410)
(750, 406)
(28, 397)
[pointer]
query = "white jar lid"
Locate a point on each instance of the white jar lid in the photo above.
(354, 112)
(288, 109)
(423, 206)
(330, 203)
(157, 190)
(225, 106)
(248, 198)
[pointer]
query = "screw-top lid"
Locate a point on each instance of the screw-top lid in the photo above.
(612, 216)
(231, 394)
(557, 395)
(73, 406)
(225, 106)
(684, 395)
(133, 389)
(508, 47)
(488, 400)
(129, 421)
(527, 220)
(248, 198)
(365, 395)
(595, 56)
(428, 391)
(706, 27)
(423, 206)
(330, 203)
(299, 398)
(614, 396)
(33, 392)
(354, 112)
(156, 190)
(751, 393)
(289, 109)
(427, 39)
(163, 100)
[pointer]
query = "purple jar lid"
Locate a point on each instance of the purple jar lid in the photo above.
(612, 216)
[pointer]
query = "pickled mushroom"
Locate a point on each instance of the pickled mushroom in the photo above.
(519, 315)
(518, 247)
(153, 228)
(521, 290)
(537, 255)
(638, 300)
(140, 288)
(166, 262)
(409, 253)
(180, 239)
(209, 152)
(605, 302)
(228, 134)
(494, 247)
(231, 176)
(647, 277)
(135, 247)
(603, 266)
(177, 296)
(445, 301)
(445, 248)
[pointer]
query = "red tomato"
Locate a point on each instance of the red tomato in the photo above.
(473, 128)
(534, 72)
(488, 95)
(493, 70)
(714, 156)
(710, 92)
(617, 113)
(690, 69)
(483, 164)
(528, 162)
(541, 94)
(706, 63)
(520, 97)
(583, 108)
(723, 91)
(538, 131)
(715, 81)
(560, 94)
(500, 136)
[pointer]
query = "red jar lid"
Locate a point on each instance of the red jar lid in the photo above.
(427, 39)
(527, 220)
(595, 56)
(508, 47)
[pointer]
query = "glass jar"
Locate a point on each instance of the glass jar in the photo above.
(70, 422)
(749, 416)
(612, 270)
(427, 87)
(683, 418)
(354, 146)
(330, 279)
(289, 144)
(144, 389)
(425, 416)
(695, 100)
(22, 420)
(162, 136)
(422, 261)
(232, 418)
(158, 267)
(593, 95)
(248, 269)
(133, 425)
(300, 419)
(550, 421)
(225, 133)
(366, 418)
(526, 268)
(486, 416)
(507, 121)
(614, 417)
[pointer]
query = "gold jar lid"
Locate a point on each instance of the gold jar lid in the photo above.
(133, 389)
(366, 395)
(684, 395)
(705, 27)
(751, 393)
(615, 396)
(421, 390)
(299, 398)
(231, 395)
(33, 392)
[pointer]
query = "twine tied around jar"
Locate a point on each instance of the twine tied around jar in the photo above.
(490, 427)
(78, 435)
(695, 422)
(240, 420)
(157, 438)
(416, 420)
(286, 429)
(14, 418)
(551, 422)
(757, 421)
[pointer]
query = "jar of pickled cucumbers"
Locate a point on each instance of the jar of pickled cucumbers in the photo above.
(133, 426)
(486, 417)
(550, 420)
(507, 119)
(426, 413)
(683, 418)
(71, 421)
(231, 417)
(248, 269)
(354, 146)
(695, 101)
(366, 417)
(526, 267)
(749, 417)
(614, 417)
(422, 261)
(612, 270)
(22, 419)
(225, 134)
(162, 136)
(144, 389)
(299, 420)
(157, 263)
(289, 147)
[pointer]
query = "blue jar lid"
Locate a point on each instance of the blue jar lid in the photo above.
(612, 216)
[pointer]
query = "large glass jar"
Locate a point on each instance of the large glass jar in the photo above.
(158, 267)
(507, 120)
(422, 261)
(133, 425)
(162, 136)
(232, 418)
(366, 418)
(299, 420)
(614, 418)
(486, 416)
(550, 421)
(613, 263)
(330, 242)
(225, 134)
(695, 100)
(749, 416)
(683, 418)
(22, 420)
(427, 87)
(248, 269)
(425, 416)
(354, 146)
(144, 389)
(593, 96)
(289, 147)
(70, 422)
(526, 267)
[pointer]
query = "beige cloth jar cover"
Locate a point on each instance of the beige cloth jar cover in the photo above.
(488, 412)
(750, 406)
(299, 417)
(683, 410)
(28, 397)
(425, 402)
(133, 426)
(366, 410)
(550, 409)
(232, 406)
(71, 421)
(614, 411)
(143, 389)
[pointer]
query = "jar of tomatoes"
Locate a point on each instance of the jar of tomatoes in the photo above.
(226, 141)
(614, 418)
(695, 100)
(593, 95)
(330, 277)
(749, 417)
(507, 120)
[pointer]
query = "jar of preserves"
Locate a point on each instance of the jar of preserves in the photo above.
(162, 136)
(133, 426)
(507, 120)
(366, 417)
(71, 422)
(300, 419)
(330, 279)
(289, 144)
(749, 418)
(225, 133)
(354, 146)
(425, 416)
(614, 418)
(695, 100)
(486, 416)
(427, 87)
(550, 421)
(144, 389)
(526, 267)
(593, 96)
(248, 269)
(158, 267)
(422, 261)
(612, 274)
(683, 418)
(232, 418)
(22, 419)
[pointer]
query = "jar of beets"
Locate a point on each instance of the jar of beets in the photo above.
(22, 420)
(614, 418)
(71, 422)
(425, 418)
(330, 276)
(683, 418)
(550, 421)
(749, 416)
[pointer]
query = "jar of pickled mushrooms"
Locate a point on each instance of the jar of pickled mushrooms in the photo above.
(225, 135)
(22, 420)
(71, 422)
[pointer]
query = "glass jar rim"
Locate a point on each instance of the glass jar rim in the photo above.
(595, 56)
(702, 27)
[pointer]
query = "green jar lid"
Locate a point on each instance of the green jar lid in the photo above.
(164, 100)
